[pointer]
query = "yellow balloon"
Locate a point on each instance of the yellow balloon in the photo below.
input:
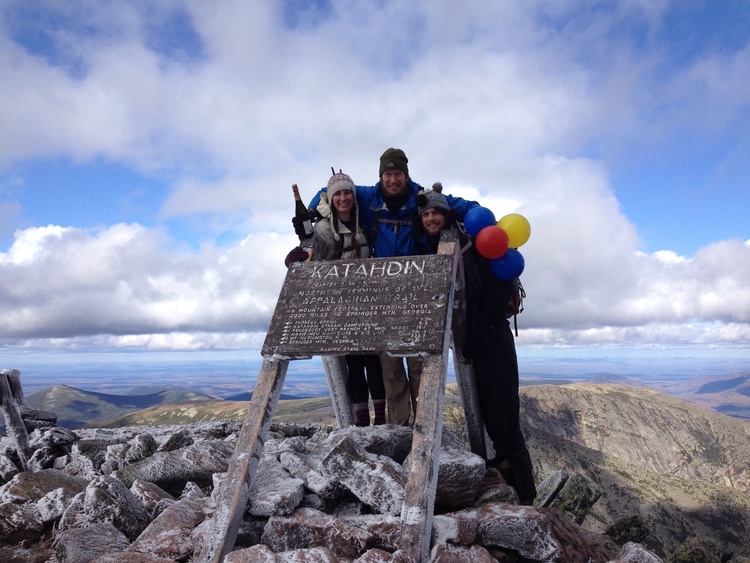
(517, 227)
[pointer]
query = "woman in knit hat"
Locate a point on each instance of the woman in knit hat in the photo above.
(338, 235)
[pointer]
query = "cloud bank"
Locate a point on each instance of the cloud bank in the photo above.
(224, 106)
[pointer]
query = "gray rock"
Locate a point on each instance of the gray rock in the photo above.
(169, 535)
(51, 437)
(633, 552)
(114, 458)
(87, 458)
(180, 439)
(460, 476)
(54, 504)
(8, 469)
(306, 468)
(495, 489)
(576, 497)
(385, 530)
(32, 486)
(548, 489)
(309, 528)
(447, 553)
(518, 528)
(107, 500)
(84, 544)
(149, 494)
(20, 523)
(262, 554)
(129, 557)
(378, 481)
(197, 462)
(142, 447)
(274, 491)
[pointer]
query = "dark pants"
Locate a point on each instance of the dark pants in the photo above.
(361, 386)
(496, 370)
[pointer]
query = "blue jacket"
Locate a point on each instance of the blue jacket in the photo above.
(392, 233)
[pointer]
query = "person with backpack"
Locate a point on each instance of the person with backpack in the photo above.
(488, 344)
(339, 235)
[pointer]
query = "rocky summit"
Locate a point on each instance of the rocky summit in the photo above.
(320, 494)
(670, 484)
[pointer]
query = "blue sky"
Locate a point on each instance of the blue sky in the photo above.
(147, 151)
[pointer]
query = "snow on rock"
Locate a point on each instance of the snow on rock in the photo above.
(378, 481)
(274, 492)
(145, 495)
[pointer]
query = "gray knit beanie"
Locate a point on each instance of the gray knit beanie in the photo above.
(431, 198)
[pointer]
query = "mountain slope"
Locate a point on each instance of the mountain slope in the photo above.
(76, 408)
(683, 470)
(315, 411)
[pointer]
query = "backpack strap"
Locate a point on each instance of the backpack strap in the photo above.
(379, 219)
(515, 306)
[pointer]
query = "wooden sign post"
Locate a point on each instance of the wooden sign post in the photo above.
(402, 306)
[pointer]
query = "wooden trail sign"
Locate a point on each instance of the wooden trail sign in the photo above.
(402, 306)
(368, 305)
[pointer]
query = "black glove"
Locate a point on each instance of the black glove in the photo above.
(299, 228)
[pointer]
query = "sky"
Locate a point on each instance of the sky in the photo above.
(147, 153)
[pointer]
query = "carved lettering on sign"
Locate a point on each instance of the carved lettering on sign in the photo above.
(397, 305)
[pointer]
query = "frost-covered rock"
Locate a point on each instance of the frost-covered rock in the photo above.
(310, 528)
(197, 462)
(84, 544)
(107, 500)
(378, 481)
(169, 534)
(330, 495)
(460, 475)
(274, 491)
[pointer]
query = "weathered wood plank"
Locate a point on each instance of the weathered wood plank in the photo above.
(465, 379)
(10, 408)
(419, 496)
(336, 374)
(469, 395)
(234, 491)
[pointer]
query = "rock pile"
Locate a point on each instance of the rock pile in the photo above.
(320, 494)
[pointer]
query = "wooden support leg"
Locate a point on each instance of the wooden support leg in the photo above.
(419, 497)
(11, 400)
(338, 385)
(234, 492)
(469, 395)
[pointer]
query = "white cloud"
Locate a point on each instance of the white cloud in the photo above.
(128, 280)
(486, 99)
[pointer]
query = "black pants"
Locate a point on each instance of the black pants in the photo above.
(496, 370)
(361, 386)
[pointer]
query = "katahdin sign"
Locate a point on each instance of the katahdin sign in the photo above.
(397, 305)
(401, 305)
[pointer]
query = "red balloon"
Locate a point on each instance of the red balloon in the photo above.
(492, 242)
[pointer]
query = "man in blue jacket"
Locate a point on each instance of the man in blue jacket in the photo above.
(389, 211)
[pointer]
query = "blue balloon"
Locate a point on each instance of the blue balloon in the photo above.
(477, 219)
(509, 266)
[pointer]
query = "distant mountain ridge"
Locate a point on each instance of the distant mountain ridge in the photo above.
(76, 408)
